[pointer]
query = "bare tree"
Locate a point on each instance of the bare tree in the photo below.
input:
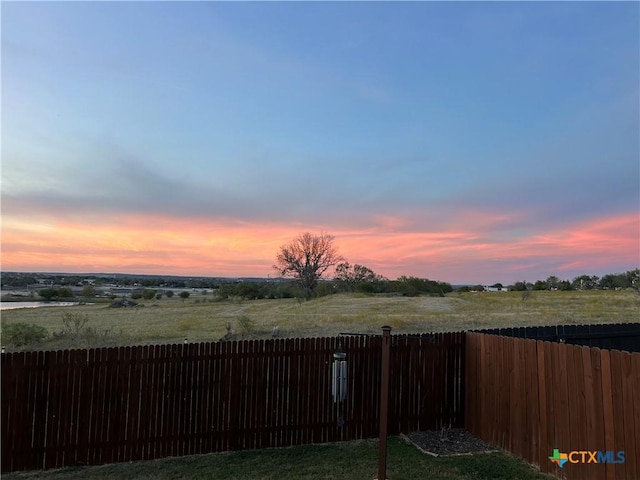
(306, 258)
(351, 276)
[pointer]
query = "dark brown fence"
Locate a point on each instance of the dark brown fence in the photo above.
(531, 397)
(615, 336)
(87, 407)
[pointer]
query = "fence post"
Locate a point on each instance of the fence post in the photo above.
(384, 403)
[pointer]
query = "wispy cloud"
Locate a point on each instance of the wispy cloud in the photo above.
(202, 136)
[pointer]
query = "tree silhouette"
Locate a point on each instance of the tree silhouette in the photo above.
(307, 258)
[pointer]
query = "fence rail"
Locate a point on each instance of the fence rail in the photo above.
(530, 397)
(88, 407)
(618, 336)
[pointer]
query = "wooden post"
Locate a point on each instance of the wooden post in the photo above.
(384, 403)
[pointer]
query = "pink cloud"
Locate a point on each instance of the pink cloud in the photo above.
(475, 251)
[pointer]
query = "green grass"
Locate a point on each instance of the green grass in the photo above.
(348, 460)
(200, 318)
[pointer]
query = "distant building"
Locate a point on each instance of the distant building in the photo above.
(495, 289)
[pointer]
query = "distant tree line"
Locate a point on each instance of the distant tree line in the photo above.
(22, 280)
(160, 282)
(361, 279)
(403, 286)
(617, 281)
(629, 279)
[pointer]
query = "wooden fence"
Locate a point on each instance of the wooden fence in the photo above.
(530, 397)
(88, 407)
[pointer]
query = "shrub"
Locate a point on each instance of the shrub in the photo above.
(230, 335)
(246, 325)
(148, 294)
(325, 288)
(48, 293)
(74, 324)
(77, 333)
(65, 292)
(21, 334)
(88, 291)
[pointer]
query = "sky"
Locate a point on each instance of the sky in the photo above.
(467, 142)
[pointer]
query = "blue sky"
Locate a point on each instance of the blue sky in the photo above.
(485, 141)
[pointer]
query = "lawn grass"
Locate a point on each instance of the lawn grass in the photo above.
(356, 460)
(203, 319)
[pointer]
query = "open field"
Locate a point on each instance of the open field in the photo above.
(202, 318)
(346, 460)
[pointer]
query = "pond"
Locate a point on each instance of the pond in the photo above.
(14, 305)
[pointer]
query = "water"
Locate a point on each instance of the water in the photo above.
(14, 305)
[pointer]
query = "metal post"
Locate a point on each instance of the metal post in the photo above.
(384, 402)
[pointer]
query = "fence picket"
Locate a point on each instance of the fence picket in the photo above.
(577, 411)
(516, 405)
(598, 404)
(532, 399)
(590, 412)
(631, 410)
(543, 414)
(618, 406)
(635, 426)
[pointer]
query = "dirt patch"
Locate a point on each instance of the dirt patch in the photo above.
(448, 442)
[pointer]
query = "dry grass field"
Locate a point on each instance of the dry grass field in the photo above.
(202, 318)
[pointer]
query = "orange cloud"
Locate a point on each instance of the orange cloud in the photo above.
(227, 247)
(480, 253)
(145, 244)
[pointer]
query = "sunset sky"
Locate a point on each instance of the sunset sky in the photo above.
(463, 142)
